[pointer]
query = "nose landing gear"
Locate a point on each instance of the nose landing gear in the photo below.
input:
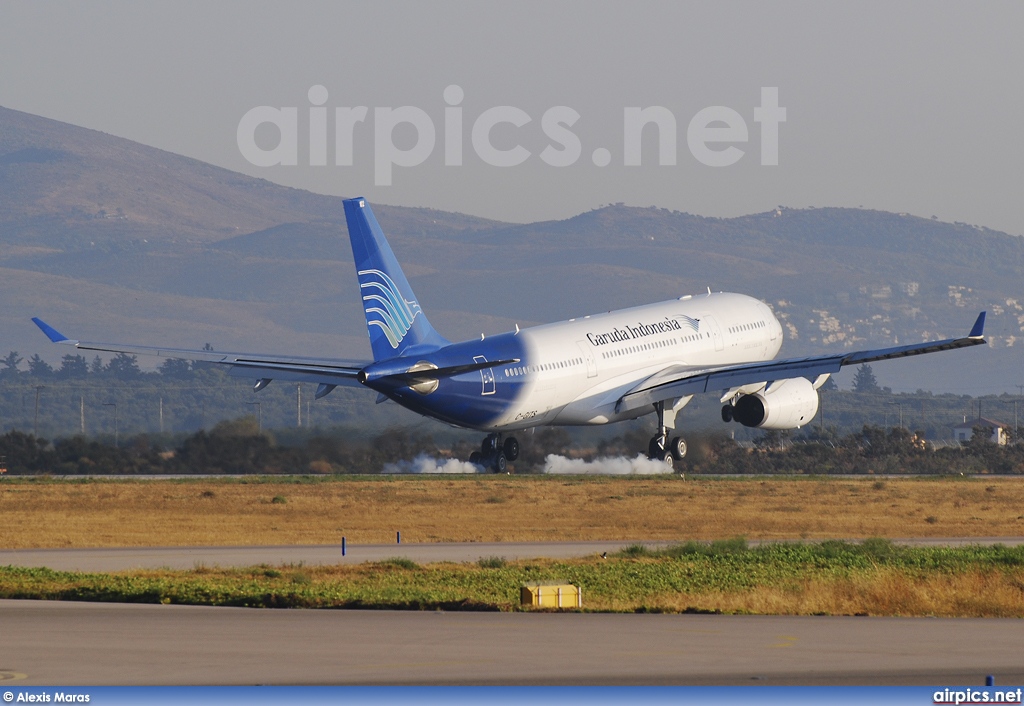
(495, 453)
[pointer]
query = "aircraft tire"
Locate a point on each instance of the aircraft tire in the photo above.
(678, 448)
(500, 464)
(727, 413)
(511, 448)
(656, 449)
(475, 458)
(488, 445)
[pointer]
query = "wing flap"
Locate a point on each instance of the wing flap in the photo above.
(691, 382)
(697, 382)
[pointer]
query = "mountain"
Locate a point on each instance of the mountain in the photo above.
(112, 240)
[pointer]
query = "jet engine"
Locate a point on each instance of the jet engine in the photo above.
(785, 404)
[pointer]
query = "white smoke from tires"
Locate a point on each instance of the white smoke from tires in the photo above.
(424, 464)
(606, 466)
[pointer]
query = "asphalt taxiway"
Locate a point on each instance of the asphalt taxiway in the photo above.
(97, 644)
(125, 558)
(50, 642)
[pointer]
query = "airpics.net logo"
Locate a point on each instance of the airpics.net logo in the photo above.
(714, 135)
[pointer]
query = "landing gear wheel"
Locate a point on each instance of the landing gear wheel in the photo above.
(489, 445)
(511, 448)
(677, 448)
(728, 413)
(475, 458)
(500, 463)
(656, 449)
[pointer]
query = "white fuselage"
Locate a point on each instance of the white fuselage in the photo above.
(574, 372)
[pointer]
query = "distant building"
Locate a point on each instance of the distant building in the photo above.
(964, 432)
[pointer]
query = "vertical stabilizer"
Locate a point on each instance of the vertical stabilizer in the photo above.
(394, 319)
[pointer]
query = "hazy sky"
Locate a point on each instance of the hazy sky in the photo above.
(912, 106)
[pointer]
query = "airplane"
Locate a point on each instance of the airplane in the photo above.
(589, 370)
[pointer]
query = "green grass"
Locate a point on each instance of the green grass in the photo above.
(716, 548)
(400, 561)
(637, 580)
(833, 555)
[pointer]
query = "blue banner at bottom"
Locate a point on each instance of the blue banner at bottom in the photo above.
(563, 696)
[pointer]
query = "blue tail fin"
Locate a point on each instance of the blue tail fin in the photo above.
(394, 320)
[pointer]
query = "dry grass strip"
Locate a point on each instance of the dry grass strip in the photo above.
(62, 513)
(885, 591)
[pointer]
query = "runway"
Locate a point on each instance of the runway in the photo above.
(121, 559)
(125, 558)
(56, 643)
(100, 644)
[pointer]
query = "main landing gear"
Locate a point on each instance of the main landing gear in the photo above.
(495, 453)
(663, 448)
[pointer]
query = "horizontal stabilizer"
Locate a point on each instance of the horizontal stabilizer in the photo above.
(451, 371)
(416, 377)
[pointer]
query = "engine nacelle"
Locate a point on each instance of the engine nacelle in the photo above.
(787, 404)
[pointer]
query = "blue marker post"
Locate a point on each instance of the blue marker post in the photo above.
(343, 546)
(990, 680)
(398, 537)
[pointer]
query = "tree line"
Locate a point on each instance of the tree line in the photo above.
(79, 397)
(240, 447)
(230, 447)
(872, 450)
(181, 396)
(76, 367)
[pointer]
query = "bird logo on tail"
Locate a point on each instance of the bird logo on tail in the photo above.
(385, 306)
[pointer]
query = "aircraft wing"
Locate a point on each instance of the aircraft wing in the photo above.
(294, 368)
(692, 381)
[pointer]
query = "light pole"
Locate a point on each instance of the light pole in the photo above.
(259, 415)
(35, 417)
(114, 405)
(1014, 401)
(900, 405)
(1015, 436)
